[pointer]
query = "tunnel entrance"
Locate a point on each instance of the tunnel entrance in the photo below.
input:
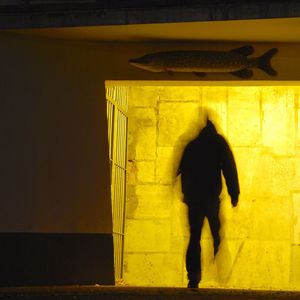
(260, 238)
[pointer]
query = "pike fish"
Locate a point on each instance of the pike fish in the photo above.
(201, 62)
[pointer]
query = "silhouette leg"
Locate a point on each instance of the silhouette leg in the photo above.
(193, 254)
(214, 223)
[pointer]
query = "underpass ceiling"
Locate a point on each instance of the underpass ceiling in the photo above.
(286, 30)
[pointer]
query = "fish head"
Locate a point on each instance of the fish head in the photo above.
(146, 62)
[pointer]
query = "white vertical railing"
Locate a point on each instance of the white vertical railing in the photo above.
(117, 105)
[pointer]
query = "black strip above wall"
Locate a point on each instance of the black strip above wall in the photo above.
(30, 259)
(47, 14)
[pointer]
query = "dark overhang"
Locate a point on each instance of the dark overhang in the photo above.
(64, 13)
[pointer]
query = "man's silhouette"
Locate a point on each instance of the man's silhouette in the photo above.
(203, 161)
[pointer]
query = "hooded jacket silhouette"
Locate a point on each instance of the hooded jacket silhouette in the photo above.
(203, 161)
(201, 167)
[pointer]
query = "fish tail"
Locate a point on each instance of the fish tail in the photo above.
(264, 62)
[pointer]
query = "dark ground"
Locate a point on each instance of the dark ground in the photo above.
(134, 293)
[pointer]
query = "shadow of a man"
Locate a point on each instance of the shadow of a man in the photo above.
(203, 161)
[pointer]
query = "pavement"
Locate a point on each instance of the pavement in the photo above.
(136, 293)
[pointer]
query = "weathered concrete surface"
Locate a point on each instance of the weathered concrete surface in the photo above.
(260, 238)
(133, 293)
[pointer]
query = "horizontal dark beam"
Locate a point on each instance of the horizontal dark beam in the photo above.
(43, 14)
(120, 4)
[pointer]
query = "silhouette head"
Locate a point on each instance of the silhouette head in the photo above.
(209, 128)
(210, 125)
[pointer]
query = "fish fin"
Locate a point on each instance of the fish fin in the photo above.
(246, 50)
(244, 73)
(200, 74)
(264, 62)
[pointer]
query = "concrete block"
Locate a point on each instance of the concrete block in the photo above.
(295, 222)
(244, 127)
(235, 221)
(263, 174)
(278, 129)
(248, 162)
(261, 264)
(145, 171)
(271, 219)
(295, 162)
(283, 176)
(149, 201)
(296, 91)
(142, 134)
(298, 128)
(131, 201)
(177, 122)
(166, 166)
(181, 93)
(294, 267)
(143, 96)
(148, 235)
(155, 269)
(179, 242)
(131, 172)
(259, 184)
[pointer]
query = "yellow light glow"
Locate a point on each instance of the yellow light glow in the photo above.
(260, 237)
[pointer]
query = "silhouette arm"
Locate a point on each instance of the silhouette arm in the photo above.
(230, 173)
(181, 170)
(178, 171)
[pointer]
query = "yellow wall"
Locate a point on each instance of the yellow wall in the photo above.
(260, 238)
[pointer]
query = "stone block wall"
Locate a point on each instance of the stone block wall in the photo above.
(261, 237)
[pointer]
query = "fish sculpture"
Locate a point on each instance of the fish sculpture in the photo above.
(201, 62)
